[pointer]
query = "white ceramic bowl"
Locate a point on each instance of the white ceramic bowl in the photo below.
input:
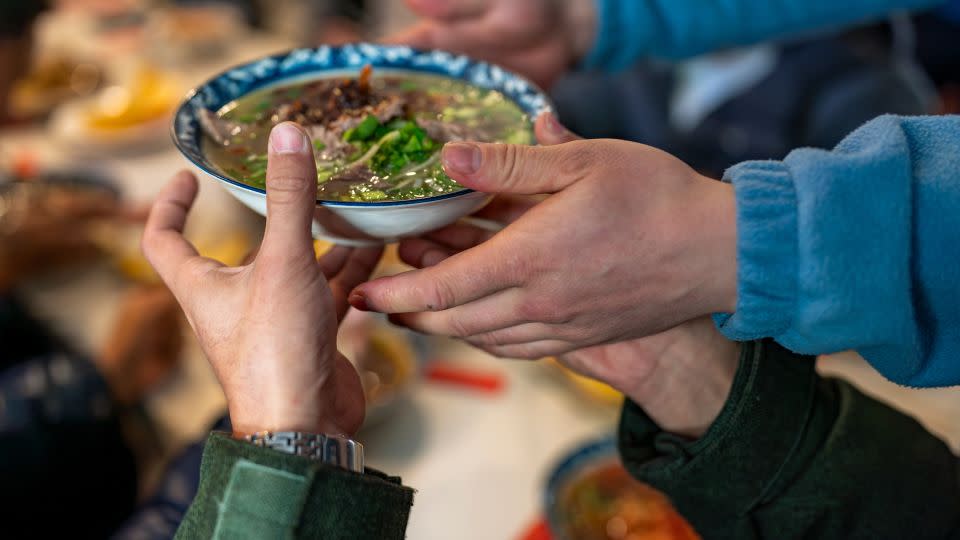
(351, 223)
(363, 224)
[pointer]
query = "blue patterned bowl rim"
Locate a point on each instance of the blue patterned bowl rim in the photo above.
(581, 459)
(300, 64)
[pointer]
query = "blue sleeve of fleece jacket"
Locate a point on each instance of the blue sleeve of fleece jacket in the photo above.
(857, 248)
(630, 29)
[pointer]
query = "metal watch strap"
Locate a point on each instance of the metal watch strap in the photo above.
(339, 451)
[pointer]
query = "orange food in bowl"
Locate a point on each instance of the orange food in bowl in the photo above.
(606, 503)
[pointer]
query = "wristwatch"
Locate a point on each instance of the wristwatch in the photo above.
(329, 449)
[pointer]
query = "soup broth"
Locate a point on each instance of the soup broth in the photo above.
(376, 138)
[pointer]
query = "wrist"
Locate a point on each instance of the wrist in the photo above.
(673, 397)
(580, 18)
(719, 245)
(316, 399)
(304, 417)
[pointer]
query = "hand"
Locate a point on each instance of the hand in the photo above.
(47, 227)
(630, 243)
(145, 343)
(681, 377)
(269, 327)
(541, 39)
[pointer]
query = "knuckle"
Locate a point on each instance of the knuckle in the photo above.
(287, 185)
(458, 328)
(509, 166)
(489, 339)
(441, 296)
(570, 332)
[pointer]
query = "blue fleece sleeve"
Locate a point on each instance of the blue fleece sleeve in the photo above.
(630, 29)
(857, 248)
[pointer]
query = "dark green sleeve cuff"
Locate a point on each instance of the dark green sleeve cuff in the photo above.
(252, 492)
(735, 464)
(793, 455)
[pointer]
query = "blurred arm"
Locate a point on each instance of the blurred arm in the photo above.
(630, 29)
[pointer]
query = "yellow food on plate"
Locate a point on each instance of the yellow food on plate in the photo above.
(150, 95)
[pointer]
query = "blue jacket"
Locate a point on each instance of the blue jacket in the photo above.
(854, 248)
(629, 29)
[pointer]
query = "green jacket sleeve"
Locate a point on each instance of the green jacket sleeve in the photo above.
(793, 455)
(247, 492)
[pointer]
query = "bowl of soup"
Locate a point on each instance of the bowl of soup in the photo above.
(378, 117)
(591, 496)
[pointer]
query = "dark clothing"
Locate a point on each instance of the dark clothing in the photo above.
(158, 517)
(819, 91)
(791, 455)
(248, 492)
(794, 455)
(64, 465)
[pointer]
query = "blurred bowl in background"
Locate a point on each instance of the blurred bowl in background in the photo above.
(590, 496)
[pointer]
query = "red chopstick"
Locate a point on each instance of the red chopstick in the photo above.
(445, 373)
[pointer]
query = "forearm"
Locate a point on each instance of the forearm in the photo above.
(848, 249)
(252, 492)
(630, 29)
(792, 455)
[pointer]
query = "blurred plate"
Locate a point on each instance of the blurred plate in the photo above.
(127, 117)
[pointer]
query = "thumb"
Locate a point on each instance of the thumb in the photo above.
(291, 192)
(513, 168)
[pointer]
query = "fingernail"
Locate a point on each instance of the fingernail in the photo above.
(286, 138)
(554, 125)
(461, 158)
(358, 301)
